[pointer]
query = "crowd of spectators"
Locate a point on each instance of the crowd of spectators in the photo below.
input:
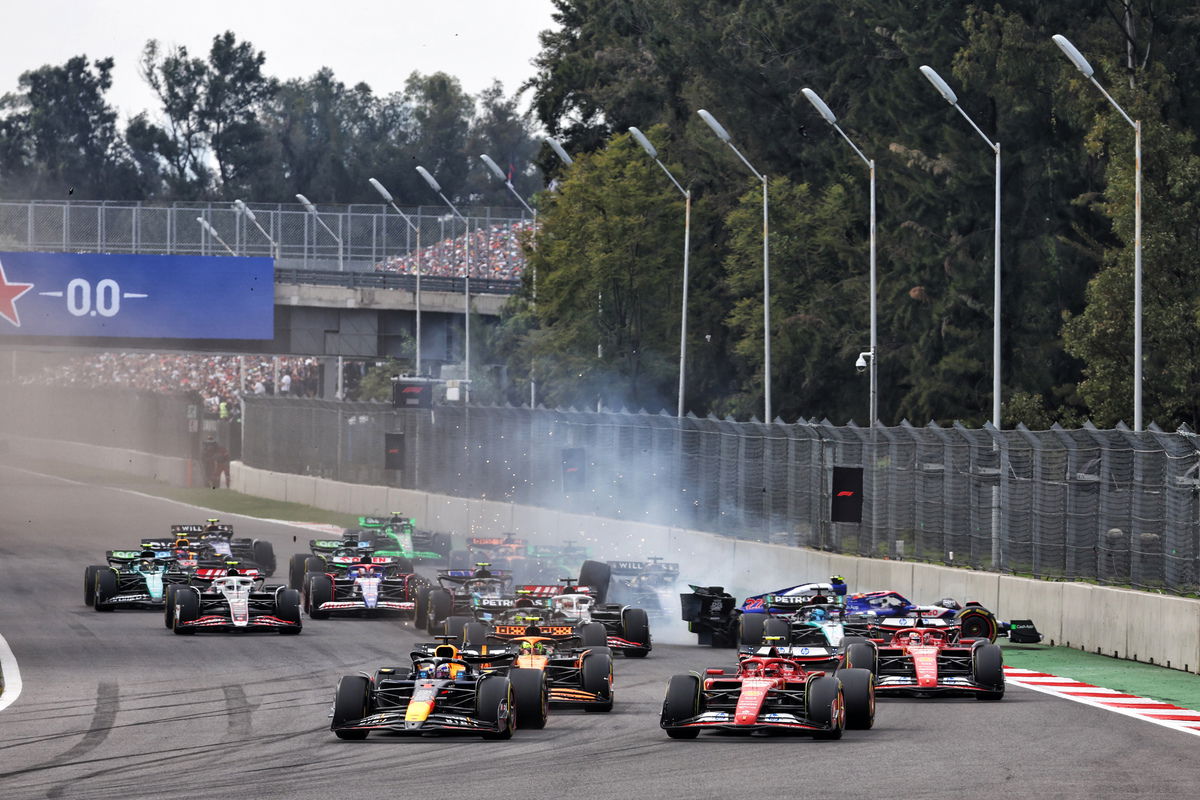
(495, 254)
(217, 378)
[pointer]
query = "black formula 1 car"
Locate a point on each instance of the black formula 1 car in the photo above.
(471, 593)
(235, 603)
(926, 657)
(441, 691)
(217, 538)
(648, 584)
(366, 585)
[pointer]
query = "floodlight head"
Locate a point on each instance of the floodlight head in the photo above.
(494, 167)
(819, 105)
(384, 193)
(943, 88)
(557, 147)
(243, 209)
(721, 133)
(641, 139)
(309, 207)
(433, 184)
(1071, 52)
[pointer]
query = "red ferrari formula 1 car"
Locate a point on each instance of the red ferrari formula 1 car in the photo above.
(925, 657)
(769, 693)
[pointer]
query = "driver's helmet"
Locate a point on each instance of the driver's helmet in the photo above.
(146, 565)
(914, 638)
(818, 614)
(182, 544)
(441, 671)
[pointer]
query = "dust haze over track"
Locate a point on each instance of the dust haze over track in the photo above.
(116, 706)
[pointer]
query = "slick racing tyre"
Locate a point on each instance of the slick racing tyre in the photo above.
(474, 635)
(456, 626)
(441, 605)
(187, 609)
(89, 584)
(106, 587)
(987, 667)
(824, 706)
(493, 698)
(861, 655)
(264, 556)
(597, 575)
(531, 697)
(681, 702)
(596, 676)
(319, 591)
(750, 629)
(779, 630)
(351, 702)
(858, 693)
(440, 544)
(977, 623)
(635, 627)
(592, 634)
(169, 604)
(421, 612)
(296, 570)
(287, 607)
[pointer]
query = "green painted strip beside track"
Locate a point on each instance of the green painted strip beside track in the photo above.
(1131, 677)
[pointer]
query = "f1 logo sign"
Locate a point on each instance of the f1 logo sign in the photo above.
(846, 504)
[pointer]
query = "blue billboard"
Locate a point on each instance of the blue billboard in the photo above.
(136, 296)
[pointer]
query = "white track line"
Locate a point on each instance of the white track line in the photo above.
(1143, 708)
(12, 676)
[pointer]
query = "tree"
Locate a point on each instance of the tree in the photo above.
(607, 265)
(503, 133)
(214, 140)
(59, 137)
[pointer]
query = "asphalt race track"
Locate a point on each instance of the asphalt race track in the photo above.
(115, 706)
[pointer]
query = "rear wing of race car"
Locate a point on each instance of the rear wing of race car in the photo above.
(460, 575)
(667, 569)
(219, 529)
(382, 522)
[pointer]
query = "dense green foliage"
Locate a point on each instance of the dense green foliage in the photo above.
(599, 318)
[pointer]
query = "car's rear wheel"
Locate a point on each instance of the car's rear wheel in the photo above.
(287, 607)
(474, 635)
(264, 556)
(530, 696)
(319, 590)
(493, 696)
(421, 612)
(750, 629)
(823, 705)
(441, 605)
(596, 675)
(681, 703)
(592, 634)
(635, 627)
(351, 703)
(987, 666)
(779, 630)
(858, 693)
(456, 626)
(597, 575)
(296, 570)
(106, 587)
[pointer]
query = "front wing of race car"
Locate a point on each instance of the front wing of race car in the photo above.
(225, 622)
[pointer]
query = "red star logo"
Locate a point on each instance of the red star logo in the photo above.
(9, 292)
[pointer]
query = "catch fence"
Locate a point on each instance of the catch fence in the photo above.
(1113, 506)
(348, 237)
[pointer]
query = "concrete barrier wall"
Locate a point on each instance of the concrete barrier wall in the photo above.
(1117, 622)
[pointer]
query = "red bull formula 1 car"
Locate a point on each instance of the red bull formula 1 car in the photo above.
(442, 691)
(769, 693)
